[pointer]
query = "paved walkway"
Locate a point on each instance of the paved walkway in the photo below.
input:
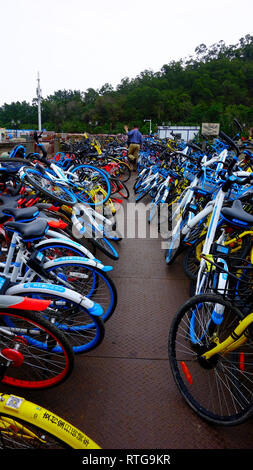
(123, 393)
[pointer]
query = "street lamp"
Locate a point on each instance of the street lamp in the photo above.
(150, 128)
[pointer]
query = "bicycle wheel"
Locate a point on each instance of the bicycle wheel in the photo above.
(140, 195)
(114, 235)
(34, 353)
(123, 172)
(219, 389)
(174, 250)
(49, 188)
(26, 425)
(92, 185)
(99, 240)
(105, 246)
(122, 189)
(140, 178)
(90, 281)
(83, 330)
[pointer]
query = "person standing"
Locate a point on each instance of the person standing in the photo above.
(135, 143)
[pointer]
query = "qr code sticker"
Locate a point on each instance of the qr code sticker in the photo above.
(13, 402)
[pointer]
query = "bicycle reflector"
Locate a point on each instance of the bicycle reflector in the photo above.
(186, 373)
(241, 362)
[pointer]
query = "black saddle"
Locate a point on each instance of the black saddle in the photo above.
(8, 201)
(26, 214)
(30, 231)
(237, 215)
(9, 208)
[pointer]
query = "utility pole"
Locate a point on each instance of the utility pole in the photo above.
(39, 102)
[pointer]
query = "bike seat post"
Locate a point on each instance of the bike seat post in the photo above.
(10, 255)
(17, 263)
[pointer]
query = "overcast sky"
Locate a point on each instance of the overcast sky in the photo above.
(81, 44)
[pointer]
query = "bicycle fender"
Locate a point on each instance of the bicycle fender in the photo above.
(66, 240)
(77, 259)
(54, 289)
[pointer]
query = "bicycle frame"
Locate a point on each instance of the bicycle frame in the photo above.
(237, 338)
(93, 218)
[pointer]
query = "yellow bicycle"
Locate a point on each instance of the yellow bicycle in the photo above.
(211, 347)
(26, 425)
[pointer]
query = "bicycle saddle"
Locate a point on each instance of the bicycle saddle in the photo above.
(9, 201)
(21, 215)
(29, 231)
(236, 214)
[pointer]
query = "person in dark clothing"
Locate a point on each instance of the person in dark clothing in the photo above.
(135, 143)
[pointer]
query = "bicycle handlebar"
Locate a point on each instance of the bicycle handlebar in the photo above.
(229, 141)
(243, 180)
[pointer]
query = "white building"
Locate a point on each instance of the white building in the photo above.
(185, 133)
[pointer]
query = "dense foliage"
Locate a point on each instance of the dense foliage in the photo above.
(214, 85)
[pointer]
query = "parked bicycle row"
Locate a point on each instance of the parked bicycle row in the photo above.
(203, 204)
(57, 219)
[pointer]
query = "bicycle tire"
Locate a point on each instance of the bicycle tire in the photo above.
(218, 390)
(99, 239)
(139, 180)
(100, 179)
(26, 425)
(67, 197)
(39, 343)
(105, 246)
(122, 189)
(142, 194)
(124, 172)
(114, 235)
(90, 281)
(83, 331)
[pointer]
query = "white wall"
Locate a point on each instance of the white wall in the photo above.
(187, 132)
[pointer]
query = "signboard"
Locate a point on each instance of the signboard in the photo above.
(210, 129)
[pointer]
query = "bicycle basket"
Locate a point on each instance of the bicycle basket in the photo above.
(231, 278)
